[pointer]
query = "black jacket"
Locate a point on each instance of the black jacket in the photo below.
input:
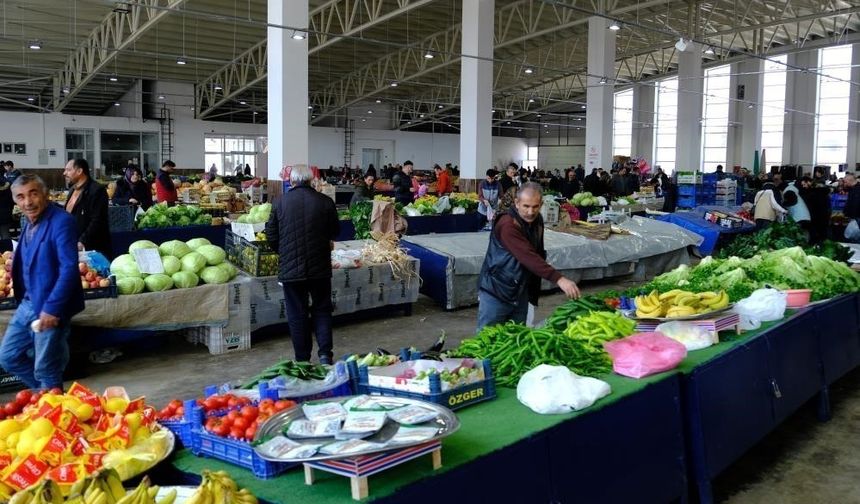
(592, 183)
(6, 202)
(502, 275)
(402, 187)
(125, 191)
(569, 188)
(852, 205)
(362, 193)
(301, 227)
(91, 215)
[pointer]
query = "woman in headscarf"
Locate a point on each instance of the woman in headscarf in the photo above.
(132, 190)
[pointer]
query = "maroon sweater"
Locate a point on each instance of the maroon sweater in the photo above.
(511, 236)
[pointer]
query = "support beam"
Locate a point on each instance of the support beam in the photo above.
(643, 120)
(599, 94)
(854, 113)
(802, 100)
(476, 84)
(117, 31)
(688, 148)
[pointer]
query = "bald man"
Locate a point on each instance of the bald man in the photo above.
(515, 263)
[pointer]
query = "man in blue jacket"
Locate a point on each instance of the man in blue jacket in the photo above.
(47, 286)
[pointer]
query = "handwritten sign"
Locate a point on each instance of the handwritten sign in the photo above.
(148, 261)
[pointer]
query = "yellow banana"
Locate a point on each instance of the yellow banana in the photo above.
(101, 498)
(22, 497)
(707, 295)
(113, 485)
(246, 497)
(168, 498)
(670, 295)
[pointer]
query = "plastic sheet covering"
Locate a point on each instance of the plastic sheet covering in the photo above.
(648, 237)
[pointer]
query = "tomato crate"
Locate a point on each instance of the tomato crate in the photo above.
(255, 258)
(235, 452)
(455, 398)
(102, 292)
(343, 388)
(183, 427)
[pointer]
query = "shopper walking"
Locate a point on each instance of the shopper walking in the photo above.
(132, 190)
(47, 286)
(87, 202)
(6, 202)
(515, 263)
(165, 189)
(403, 187)
(302, 228)
(796, 206)
(767, 210)
(488, 196)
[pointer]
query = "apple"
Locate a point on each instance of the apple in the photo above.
(104, 282)
(94, 285)
(91, 276)
(85, 284)
(82, 267)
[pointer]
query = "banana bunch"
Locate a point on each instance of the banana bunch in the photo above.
(679, 303)
(46, 492)
(219, 488)
(104, 487)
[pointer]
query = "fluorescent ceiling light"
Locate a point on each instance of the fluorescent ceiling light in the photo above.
(35, 45)
(528, 70)
(181, 61)
(615, 26)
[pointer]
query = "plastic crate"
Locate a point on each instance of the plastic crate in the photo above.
(688, 190)
(254, 258)
(235, 452)
(454, 399)
(8, 303)
(837, 201)
(689, 178)
(102, 292)
(220, 340)
(687, 202)
(184, 427)
(121, 218)
(549, 210)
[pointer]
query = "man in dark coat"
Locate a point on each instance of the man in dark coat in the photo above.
(817, 199)
(87, 202)
(402, 181)
(302, 228)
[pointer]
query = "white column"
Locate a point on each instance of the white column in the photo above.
(476, 89)
(688, 149)
(854, 113)
(643, 121)
(802, 98)
(734, 140)
(752, 79)
(599, 97)
(287, 87)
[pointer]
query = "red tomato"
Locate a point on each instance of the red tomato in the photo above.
(241, 423)
(249, 412)
(283, 404)
(23, 397)
(165, 413)
(211, 404)
(250, 432)
(2, 414)
(176, 403)
(57, 391)
(221, 430)
(211, 423)
(11, 408)
(237, 433)
(180, 411)
(170, 409)
(267, 402)
(232, 402)
(233, 415)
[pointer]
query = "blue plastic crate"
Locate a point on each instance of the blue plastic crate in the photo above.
(457, 398)
(688, 190)
(235, 452)
(687, 202)
(340, 390)
(183, 428)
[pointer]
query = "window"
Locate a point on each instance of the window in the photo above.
(666, 127)
(834, 90)
(622, 125)
(231, 152)
(532, 159)
(715, 121)
(773, 109)
(118, 148)
(80, 144)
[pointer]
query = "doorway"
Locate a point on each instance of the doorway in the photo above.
(371, 156)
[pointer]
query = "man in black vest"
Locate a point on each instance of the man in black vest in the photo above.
(515, 263)
(302, 228)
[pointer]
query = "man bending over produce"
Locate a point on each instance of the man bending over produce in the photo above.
(516, 261)
(47, 287)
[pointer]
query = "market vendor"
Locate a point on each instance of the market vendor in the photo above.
(132, 190)
(165, 189)
(365, 190)
(403, 187)
(443, 181)
(515, 262)
(87, 202)
(47, 286)
(302, 228)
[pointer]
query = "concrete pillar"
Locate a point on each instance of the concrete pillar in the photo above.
(287, 87)
(747, 130)
(688, 148)
(476, 89)
(599, 97)
(643, 121)
(802, 98)
(734, 140)
(854, 112)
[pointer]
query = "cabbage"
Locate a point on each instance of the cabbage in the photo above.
(214, 254)
(141, 244)
(158, 282)
(196, 243)
(193, 262)
(171, 264)
(175, 248)
(126, 266)
(214, 275)
(228, 268)
(130, 285)
(184, 279)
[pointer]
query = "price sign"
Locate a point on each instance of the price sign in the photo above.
(244, 230)
(148, 261)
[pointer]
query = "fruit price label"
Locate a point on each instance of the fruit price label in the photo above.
(148, 261)
(244, 230)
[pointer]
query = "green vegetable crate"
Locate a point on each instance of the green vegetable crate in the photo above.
(455, 398)
(255, 258)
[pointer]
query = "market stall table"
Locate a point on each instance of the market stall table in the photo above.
(121, 241)
(427, 224)
(711, 233)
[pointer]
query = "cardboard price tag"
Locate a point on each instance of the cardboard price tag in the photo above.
(148, 261)
(243, 230)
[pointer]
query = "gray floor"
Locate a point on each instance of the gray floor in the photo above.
(802, 462)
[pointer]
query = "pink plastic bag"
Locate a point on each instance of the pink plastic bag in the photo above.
(644, 354)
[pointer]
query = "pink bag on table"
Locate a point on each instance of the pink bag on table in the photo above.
(644, 354)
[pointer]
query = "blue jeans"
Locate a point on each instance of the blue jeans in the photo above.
(37, 358)
(492, 311)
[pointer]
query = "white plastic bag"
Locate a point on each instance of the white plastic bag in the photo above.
(458, 211)
(442, 205)
(345, 258)
(556, 389)
(852, 231)
(763, 305)
(412, 211)
(690, 335)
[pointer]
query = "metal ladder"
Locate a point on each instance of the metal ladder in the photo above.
(166, 122)
(348, 142)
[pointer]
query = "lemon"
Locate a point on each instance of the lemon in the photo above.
(25, 444)
(12, 439)
(9, 426)
(71, 403)
(84, 412)
(116, 405)
(134, 420)
(40, 444)
(52, 399)
(41, 427)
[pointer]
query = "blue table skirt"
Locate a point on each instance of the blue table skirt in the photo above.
(427, 224)
(121, 241)
(694, 221)
(433, 271)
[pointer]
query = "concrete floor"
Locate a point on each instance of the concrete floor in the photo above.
(802, 462)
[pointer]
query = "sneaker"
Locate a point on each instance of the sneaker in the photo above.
(325, 360)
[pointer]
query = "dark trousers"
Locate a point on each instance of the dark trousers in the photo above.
(308, 305)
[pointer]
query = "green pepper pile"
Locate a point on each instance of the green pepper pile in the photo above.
(300, 370)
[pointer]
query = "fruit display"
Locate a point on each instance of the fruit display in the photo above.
(6, 290)
(255, 258)
(66, 436)
(162, 216)
(218, 488)
(212, 405)
(91, 278)
(186, 264)
(258, 214)
(679, 303)
(374, 360)
(241, 424)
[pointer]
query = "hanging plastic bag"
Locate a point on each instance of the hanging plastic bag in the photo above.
(442, 205)
(763, 305)
(458, 211)
(644, 354)
(692, 336)
(852, 231)
(555, 389)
